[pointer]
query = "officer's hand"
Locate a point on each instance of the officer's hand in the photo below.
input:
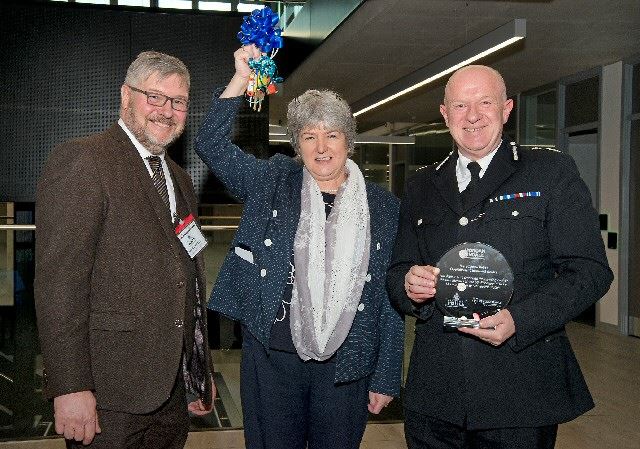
(420, 282)
(494, 329)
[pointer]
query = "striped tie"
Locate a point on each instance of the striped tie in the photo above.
(155, 162)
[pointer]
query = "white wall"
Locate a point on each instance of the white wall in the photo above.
(610, 147)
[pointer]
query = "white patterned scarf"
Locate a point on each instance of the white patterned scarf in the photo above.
(331, 257)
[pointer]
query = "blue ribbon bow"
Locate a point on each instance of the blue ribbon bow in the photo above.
(260, 29)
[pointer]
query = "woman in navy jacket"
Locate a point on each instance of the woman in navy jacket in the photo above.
(305, 275)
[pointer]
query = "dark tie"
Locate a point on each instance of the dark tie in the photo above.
(155, 162)
(467, 193)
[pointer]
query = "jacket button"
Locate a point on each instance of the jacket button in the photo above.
(368, 278)
(180, 284)
(274, 213)
(360, 307)
(268, 242)
(378, 246)
(263, 272)
(463, 221)
(178, 323)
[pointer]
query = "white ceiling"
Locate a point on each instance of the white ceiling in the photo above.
(384, 40)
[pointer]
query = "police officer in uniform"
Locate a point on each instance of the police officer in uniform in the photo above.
(510, 382)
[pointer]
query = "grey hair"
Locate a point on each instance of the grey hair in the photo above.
(151, 62)
(320, 107)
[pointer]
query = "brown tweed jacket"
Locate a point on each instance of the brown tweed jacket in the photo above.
(114, 286)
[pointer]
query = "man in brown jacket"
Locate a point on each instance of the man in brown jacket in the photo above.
(119, 295)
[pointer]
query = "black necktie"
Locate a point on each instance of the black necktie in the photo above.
(467, 193)
(155, 162)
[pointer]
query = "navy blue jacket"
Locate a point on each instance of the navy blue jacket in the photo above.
(553, 245)
(252, 292)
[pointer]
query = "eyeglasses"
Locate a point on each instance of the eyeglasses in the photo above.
(156, 99)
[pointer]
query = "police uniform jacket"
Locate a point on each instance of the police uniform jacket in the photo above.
(553, 245)
(251, 290)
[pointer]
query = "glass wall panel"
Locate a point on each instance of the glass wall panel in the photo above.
(634, 221)
(24, 413)
(23, 410)
(511, 127)
(430, 148)
(373, 160)
(145, 3)
(538, 123)
(635, 80)
(225, 337)
(581, 102)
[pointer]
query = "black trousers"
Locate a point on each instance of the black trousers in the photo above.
(424, 432)
(291, 404)
(165, 428)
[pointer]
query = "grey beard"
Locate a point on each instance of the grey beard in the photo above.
(145, 140)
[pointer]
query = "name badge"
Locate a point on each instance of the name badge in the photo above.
(190, 236)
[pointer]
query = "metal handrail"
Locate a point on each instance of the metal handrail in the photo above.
(17, 227)
(32, 227)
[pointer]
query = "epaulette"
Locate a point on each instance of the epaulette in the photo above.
(445, 160)
(545, 148)
(514, 149)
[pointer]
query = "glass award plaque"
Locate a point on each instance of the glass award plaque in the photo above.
(474, 278)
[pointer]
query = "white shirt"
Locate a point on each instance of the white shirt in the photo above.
(144, 154)
(463, 174)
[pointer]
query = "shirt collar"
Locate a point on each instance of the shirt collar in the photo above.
(484, 161)
(144, 153)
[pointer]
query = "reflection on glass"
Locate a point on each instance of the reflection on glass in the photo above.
(23, 410)
(373, 160)
(539, 124)
(635, 94)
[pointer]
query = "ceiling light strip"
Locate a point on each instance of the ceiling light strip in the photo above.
(471, 52)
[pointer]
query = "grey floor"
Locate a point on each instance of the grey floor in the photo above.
(611, 365)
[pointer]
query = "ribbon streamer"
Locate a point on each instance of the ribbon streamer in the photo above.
(260, 28)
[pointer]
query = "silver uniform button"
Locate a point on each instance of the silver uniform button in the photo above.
(515, 213)
(463, 221)
(268, 242)
(263, 272)
(419, 222)
(360, 307)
